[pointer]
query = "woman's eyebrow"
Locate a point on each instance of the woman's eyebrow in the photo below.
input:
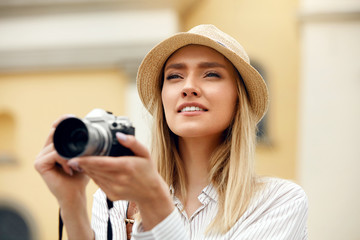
(211, 65)
(201, 65)
(175, 66)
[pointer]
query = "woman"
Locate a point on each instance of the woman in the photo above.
(199, 181)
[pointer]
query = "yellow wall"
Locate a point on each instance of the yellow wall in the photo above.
(7, 129)
(34, 101)
(268, 32)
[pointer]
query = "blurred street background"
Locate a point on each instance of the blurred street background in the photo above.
(70, 56)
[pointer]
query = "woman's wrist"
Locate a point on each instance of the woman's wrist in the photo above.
(75, 217)
(156, 208)
(72, 200)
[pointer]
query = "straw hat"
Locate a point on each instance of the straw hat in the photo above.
(149, 73)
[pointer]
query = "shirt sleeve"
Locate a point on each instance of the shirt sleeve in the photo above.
(170, 228)
(282, 216)
(99, 215)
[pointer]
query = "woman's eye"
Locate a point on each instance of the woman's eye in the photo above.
(173, 76)
(212, 74)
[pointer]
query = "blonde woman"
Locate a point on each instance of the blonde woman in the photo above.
(199, 180)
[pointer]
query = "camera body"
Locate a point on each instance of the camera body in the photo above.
(95, 135)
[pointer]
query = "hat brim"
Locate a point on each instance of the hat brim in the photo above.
(149, 73)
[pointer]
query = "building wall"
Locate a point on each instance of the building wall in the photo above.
(34, 101)
(329, 150)
(268, 30)
(66, 57)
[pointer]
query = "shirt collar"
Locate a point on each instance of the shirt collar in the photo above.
(208, 192)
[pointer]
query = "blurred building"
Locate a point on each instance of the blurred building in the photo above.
(329, 113)
(72, 56)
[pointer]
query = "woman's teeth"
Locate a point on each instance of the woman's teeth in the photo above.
(191, 109)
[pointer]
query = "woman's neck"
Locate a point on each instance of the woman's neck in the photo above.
(196, 153)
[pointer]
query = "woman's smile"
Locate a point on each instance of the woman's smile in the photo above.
(192, 109)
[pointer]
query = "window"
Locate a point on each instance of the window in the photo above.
(262, 134)
(7, 139)
(12, 225)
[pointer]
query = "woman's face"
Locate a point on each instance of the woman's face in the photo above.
(199, 92)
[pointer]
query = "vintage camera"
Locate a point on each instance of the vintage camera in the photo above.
(92, 136)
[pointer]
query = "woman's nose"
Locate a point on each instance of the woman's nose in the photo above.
(190, 92)
(191, 89)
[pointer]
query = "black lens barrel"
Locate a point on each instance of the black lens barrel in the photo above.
(71, 137)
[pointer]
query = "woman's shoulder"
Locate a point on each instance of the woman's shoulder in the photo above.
(277, 211)
(276, 201)
(280, 191)
(280, 184)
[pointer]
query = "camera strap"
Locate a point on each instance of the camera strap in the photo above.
(61, 225)
(110, 204)
(131, 210)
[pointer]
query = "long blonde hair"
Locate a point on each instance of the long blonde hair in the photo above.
(231, 168)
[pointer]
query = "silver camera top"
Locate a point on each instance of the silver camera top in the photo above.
(100, 115)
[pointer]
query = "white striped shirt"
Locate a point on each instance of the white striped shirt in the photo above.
(279, 211)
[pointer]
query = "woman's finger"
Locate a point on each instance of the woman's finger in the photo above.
(45, 150)
(48, 161)
(111, 178)
(129, 141)
(101, 163)
(63, 162)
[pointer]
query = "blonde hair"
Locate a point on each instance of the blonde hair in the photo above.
(231, 168)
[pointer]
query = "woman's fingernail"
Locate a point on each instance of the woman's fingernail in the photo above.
(75, 166)
(121, 136)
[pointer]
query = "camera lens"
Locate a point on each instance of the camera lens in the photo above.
(73, 138)
(77, 140)
(70, 137)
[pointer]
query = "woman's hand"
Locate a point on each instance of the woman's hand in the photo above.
(132, 178)
(62, 181)
(67, 186)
